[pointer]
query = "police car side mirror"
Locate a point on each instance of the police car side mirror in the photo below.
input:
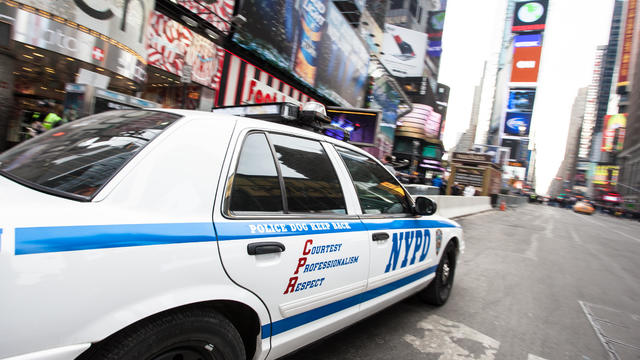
(424, 206)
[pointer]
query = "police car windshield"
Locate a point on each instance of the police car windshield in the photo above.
(77, 159)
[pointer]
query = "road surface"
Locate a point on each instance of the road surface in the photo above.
(537, 282)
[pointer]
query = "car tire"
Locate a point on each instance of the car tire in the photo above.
(186, 334)
(438, 291)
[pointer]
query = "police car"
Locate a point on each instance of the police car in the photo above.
(169, 234)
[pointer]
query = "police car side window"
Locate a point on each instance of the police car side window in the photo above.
(256, 187)
(378, 191)
(311, 182)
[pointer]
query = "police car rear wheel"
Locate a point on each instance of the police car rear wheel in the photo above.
(189, 334)
(438, 291)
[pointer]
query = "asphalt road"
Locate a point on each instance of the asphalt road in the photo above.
(537, 282)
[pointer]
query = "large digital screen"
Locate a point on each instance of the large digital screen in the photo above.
(613, 134)
(517, 123)
(526, 62)
(310, 39)
(361, 124)
(530, 16)
(521, 100)
(404, 51)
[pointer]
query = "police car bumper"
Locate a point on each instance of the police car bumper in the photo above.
(61, 353)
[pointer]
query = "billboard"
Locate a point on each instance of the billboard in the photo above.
(72, 38)
(517, 123)
(528, 40)
(606, 175)
(361, 124)
(526, 62)
(171, 47)
(244, 83)
(529, 16)
(434, 48)
(435, 24)
(311, 40)
(613, 125)
(521, 100)
(404, 51)
(424, 119)
(216, 12)
(627, 44)
(122, 22)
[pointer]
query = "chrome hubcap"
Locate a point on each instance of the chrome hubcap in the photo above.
(445, 273)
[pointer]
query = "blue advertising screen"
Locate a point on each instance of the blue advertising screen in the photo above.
(517, 123)
(521, 100)
(311, 40)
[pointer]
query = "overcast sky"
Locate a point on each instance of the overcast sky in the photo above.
(472, 34)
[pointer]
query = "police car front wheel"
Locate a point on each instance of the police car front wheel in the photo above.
(188, 335)
(438, 291)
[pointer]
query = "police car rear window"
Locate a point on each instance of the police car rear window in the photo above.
(77, 159)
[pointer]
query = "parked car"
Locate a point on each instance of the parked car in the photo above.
(166, 234)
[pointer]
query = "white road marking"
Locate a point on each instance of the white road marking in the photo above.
(575, 237)
(608, 226)
(533, 357)
(453, 340)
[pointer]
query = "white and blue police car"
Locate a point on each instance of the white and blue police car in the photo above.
(168, 234)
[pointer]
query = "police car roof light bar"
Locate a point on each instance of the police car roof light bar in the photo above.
(311, 117)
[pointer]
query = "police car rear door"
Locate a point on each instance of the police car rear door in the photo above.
(285, 233)
(401, 244)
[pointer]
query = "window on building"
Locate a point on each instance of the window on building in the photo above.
(419, 15)
(413, 7)
(396, 4)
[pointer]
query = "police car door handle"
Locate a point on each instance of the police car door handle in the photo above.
(265, 247)
(381, 236)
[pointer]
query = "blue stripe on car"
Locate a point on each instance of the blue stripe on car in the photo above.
(36, 240)
(294, 321)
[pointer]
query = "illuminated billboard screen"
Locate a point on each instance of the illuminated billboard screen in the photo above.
(529, 16)
(526, 61)
(528, 40)
(517, 123)
(311, 40)
(521, 100)
(606, 175)
(613, 134)
(361, 124)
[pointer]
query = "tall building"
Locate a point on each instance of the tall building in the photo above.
(411, 14)
(567, 176)
(629, 157)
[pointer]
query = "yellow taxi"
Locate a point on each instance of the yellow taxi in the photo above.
(583, 207)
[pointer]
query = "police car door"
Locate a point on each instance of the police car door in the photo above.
(285, 234)
(402, 254)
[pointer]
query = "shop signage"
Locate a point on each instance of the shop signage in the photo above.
(176, 49)
(57, 36)
(118, 20)
(243, 83)
(471, 157)
(311, 40)
(606, 175)
(469, 176)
